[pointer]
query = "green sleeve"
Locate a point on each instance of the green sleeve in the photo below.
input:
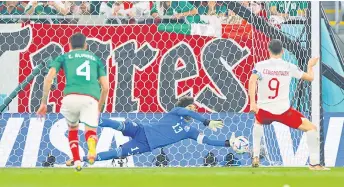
(101, 69)
(154, 9)
(182, 6)
(27, 8)
(303, 5)
(57, 63)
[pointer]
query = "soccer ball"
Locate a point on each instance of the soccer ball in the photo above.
(241, 145)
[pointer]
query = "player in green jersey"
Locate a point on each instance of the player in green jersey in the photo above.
(84, 95)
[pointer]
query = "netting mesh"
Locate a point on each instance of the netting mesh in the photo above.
(151, 62)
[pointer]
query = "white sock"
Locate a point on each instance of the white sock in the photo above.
(257, 133)
(313, 147)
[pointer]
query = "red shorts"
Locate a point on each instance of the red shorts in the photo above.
(292, 118)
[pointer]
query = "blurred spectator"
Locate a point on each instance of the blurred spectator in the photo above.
(121, 9)
(78, 7)
(256, 7)
(141, 8)
(11, 8)
(288, 8)
(212, 8)
(46, 8)
(209, 9)
(252, 6)
(105, 8)
(176, 9)
(110, 8)
(262, 13)
(24, 3)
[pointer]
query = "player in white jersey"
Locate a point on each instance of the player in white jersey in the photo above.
(273, 77)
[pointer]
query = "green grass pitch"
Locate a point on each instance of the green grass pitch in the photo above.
(171, 177)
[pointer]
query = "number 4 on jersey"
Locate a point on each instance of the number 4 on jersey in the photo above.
(84, 70)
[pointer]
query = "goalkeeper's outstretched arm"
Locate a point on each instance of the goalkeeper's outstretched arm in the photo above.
(202, 139)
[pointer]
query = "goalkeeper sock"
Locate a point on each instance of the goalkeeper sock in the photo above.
(90, 134)
(313, 147)
(107, 155)
(74, 144)
(112, 124)
(257, 134)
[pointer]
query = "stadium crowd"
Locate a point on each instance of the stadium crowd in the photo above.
(131, 12)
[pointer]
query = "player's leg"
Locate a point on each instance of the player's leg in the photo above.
(262, 117)
(257, 134)
(132, 147)
(137, 145)
(89, 116)
(312, 141)
(74, 146)
(71, 114)
(296, 120)
(128, 128)
(313, 144)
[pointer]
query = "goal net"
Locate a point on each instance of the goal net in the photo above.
(151, 63)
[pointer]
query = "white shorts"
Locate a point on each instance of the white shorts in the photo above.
(81, 108)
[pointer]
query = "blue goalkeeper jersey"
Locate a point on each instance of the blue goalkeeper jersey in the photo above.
(172, 128)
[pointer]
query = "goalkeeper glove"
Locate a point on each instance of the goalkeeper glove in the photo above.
(214, 124)
(230, 142)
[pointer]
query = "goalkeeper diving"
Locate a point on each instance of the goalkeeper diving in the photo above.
(173, 127)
